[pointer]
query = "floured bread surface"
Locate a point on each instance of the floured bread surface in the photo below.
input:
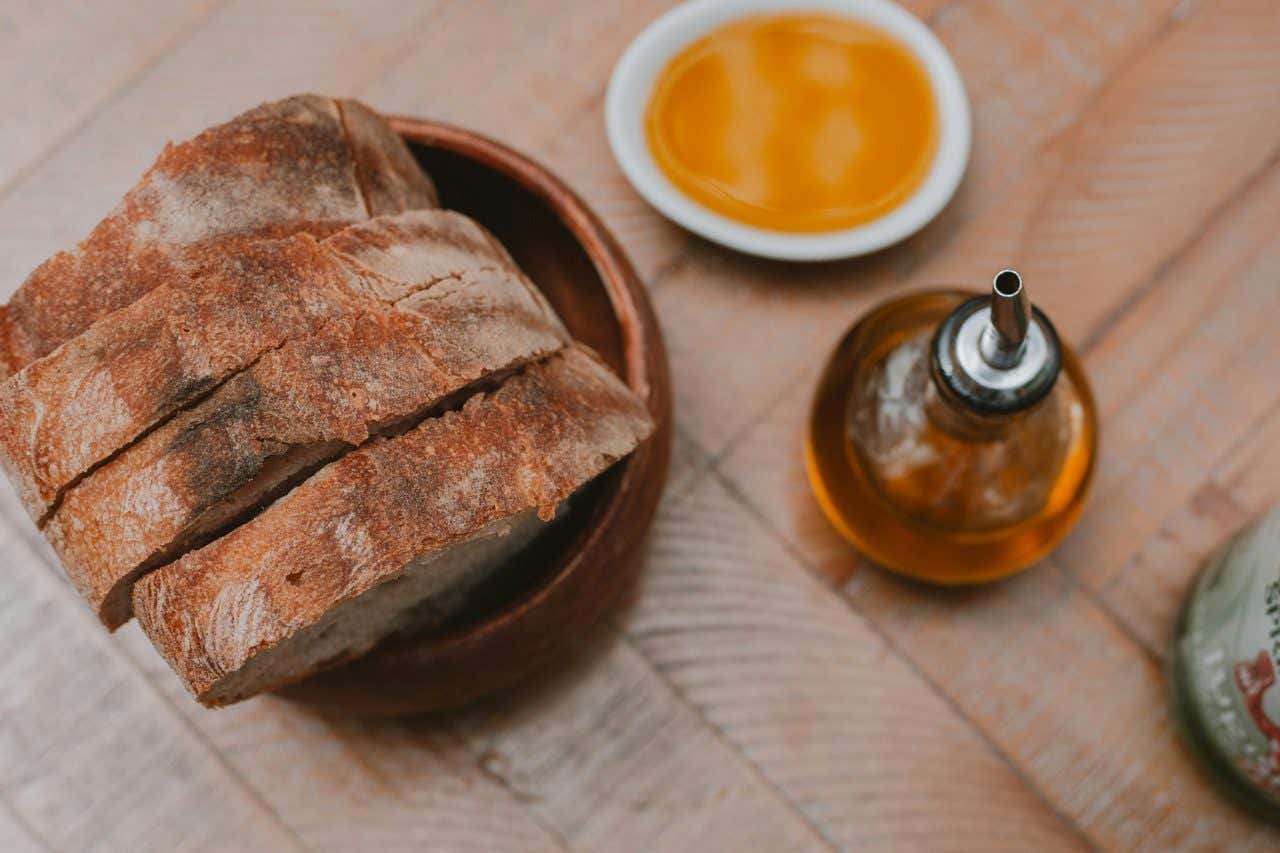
(307, 164)
(69, 411)
(247, 613)
(74, 409)
(473, 320)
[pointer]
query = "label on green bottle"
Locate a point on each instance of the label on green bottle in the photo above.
(1227, 656)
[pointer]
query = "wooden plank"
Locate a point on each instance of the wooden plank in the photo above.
(767, 466)
(827, 710)
(1186, 374)
(71, 59)
(260, 52)
(343, 784)
(343, 48)
(688, 463)
(603, 754)
(1231, 472)
(532, 66)
(1147, 593)
(1077, 704)
(749, 309)
(610, 757)
(405, 785)
(89, 755)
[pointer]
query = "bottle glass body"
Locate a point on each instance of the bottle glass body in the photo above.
(926, 487)
(1222, 670)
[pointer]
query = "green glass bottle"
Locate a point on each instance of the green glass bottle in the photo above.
(1222, 670)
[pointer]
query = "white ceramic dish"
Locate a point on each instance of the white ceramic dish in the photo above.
(632, 84)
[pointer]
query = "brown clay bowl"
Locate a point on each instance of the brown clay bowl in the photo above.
(558, 589)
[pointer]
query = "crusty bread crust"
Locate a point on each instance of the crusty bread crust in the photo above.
(283, 168)
(390, 180)
(305, 403)
(74, 408)
(361, 520)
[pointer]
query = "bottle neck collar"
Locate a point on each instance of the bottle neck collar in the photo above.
(966, 379)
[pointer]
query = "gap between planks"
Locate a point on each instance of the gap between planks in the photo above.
(820, 834)
(695, 710)
(710, 469)
(36, 545)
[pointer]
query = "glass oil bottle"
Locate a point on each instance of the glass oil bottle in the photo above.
(952, 437)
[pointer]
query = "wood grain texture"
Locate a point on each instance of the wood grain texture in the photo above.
(331, 783)
(1217, 377)
(825, 708)
(1169, 140)
(606, 754)
(100, 48)
(89, 754)
(349, 785)
(1088, 726)
(1124, 158)
(1195, 428)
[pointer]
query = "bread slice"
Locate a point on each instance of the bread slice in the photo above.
(389, 532)
(71, 411)
(300, 406)
(307, 164)
(390, 180)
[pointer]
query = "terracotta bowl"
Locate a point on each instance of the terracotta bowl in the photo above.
(556, 590)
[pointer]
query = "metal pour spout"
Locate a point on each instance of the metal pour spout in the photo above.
(1004, 340)
(996, 355)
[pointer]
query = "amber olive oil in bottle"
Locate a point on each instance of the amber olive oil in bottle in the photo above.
(952, 437)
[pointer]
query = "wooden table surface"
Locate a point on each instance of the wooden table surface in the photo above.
(766, 689)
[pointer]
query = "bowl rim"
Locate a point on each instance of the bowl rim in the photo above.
(630, 89)
(456, 666)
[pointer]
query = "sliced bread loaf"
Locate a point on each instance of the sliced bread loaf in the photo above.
(300, 406)
(74, 408)
(306, 164)
(386, 536)
(64, 415)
